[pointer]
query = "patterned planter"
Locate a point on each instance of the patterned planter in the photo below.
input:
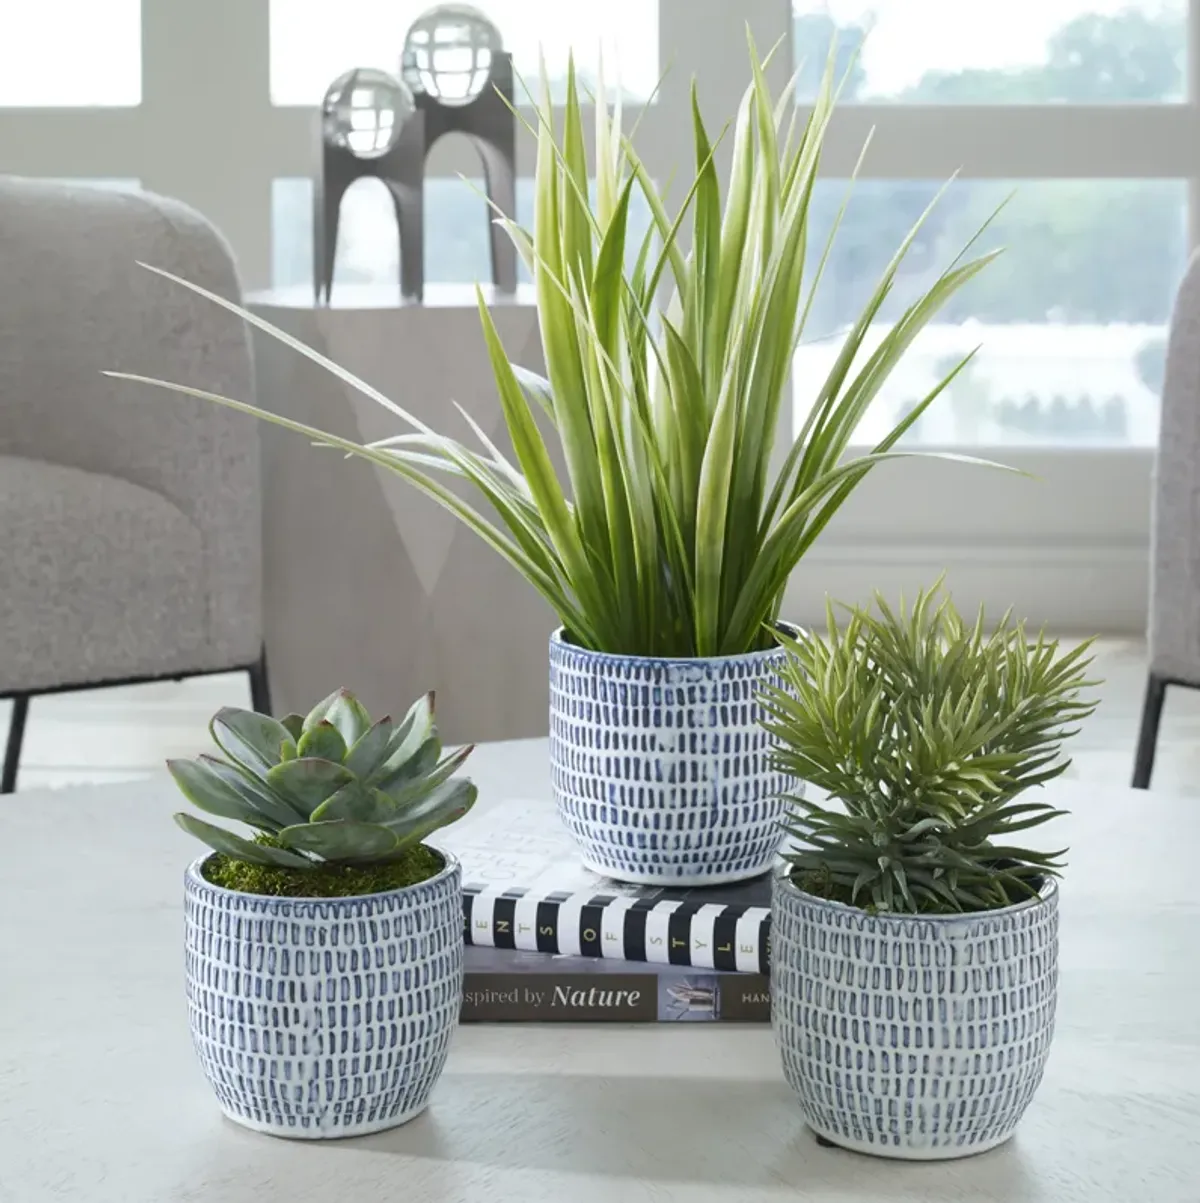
(324, 1017)
(660, 768)
(922, 1039)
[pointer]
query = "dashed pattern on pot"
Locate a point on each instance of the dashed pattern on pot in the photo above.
(914, 1037)
(660, 769)
(317, 1018)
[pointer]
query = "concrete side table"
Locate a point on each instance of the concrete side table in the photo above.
(368, 583)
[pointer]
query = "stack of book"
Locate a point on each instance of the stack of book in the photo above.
(548, 940)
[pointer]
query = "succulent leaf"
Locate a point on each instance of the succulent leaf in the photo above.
(350, 717)
(202, 786)
(418, 835)
(322, 742)
(294, 724)
(405, 791)
(249, 739)
(342, 840)
(287, 751)
(319, 711)
(369, 753)
(274, 812)
(398, 773)
(444, 804)
(220, 840)
(307, 782)
(416, 727)
(345, 712)
(356, 801)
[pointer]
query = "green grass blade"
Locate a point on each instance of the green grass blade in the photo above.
(540, 475)
(575, 617)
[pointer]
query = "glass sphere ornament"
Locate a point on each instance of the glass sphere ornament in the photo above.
(448, 53)
(364, 111)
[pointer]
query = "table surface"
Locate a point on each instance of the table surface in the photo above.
(101, 1099)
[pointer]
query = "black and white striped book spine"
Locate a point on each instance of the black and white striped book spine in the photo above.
(703, 935)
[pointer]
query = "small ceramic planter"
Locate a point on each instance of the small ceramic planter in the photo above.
(324, 1017)
(917, 1038)
(660, 769)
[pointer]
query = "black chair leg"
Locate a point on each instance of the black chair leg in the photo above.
(1143, 764)
(12, 750)
(260, 689)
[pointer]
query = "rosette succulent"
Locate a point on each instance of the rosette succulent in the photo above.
(329, 789)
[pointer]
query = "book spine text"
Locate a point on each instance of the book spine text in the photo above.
(731, 938)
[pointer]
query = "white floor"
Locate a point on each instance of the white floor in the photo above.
(119, 734)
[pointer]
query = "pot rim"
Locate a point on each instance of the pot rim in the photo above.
(195, 879)
(558, 638)
(1047, 894)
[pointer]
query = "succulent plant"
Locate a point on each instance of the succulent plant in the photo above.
(925, 732)
(329, 788)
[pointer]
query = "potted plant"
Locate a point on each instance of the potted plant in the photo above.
(667, 549)
(324, 954)
(914, 936)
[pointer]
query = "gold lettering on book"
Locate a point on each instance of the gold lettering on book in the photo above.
(678, 943)
(589, 934)
(502, 925)
(724, 947)
(546, 930)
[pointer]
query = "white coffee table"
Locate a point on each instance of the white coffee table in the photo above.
(101, 1099)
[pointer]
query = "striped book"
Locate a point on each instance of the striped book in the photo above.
(524, 890)
(716, 928)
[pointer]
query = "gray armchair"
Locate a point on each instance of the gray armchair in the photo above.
(130, 519)
(1174, 626)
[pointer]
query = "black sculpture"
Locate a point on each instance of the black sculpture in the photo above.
(456, 79)
(370, 127)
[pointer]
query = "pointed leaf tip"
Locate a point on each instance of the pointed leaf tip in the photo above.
(293, 724)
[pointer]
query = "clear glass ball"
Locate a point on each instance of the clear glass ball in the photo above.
(364, 111)
(448, 53)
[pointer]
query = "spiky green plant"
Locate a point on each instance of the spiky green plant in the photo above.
(671, 534)
(331, 788)
(926, 733)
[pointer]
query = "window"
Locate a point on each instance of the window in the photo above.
(312, 43)
(1070, 321)
(57, 53)
(1019, 52)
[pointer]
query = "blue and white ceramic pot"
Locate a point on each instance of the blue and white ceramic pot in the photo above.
(324, 1017)
(660, 769)
(917, 1038)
